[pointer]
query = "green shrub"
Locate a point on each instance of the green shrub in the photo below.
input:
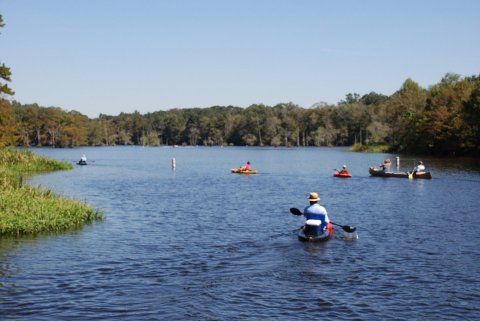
(378, 148)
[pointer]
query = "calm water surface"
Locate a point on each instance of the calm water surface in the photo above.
(200, 243)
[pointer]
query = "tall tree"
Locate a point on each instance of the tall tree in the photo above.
(472, 117)
(7, 117)
(7, 124)
(5, 73)
(444, 129)
(404, 109)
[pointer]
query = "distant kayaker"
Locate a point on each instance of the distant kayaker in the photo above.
(83, 160)
(317, 212)
(420, 168)
(245, 167)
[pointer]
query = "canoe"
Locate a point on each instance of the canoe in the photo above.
(82, 162)
(243, 171)
(381, 173)
(342, 174)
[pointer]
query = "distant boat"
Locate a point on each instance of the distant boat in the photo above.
(82, 162)
(381, 173)
(243, 171)
(344, 174)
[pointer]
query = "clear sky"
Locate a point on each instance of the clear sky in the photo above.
(113, 56)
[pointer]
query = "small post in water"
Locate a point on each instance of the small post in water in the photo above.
(174, 164)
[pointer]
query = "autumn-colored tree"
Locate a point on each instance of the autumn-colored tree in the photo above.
(472, 118)
(445, 127)
(7, 117)
(7, 124)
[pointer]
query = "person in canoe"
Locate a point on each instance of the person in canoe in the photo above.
(315, 211)
(343, 170)
(385, 166)
(245, 167)
(419, 169)
(342, 173)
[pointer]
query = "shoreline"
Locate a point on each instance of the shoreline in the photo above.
(26, 210)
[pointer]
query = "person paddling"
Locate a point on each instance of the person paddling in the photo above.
(419, 169)
(245, 167)
(83, 160)
(385, 166)
(317, 212)
(343, 170)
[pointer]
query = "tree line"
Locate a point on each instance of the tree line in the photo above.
(442, 119)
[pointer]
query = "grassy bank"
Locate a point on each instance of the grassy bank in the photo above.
(370, 148)
(30, 210)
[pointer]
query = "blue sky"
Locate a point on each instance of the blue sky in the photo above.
(113, 56)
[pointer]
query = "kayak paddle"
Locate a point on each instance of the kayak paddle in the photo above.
(346, 228)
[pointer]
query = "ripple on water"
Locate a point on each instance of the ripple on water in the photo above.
(203, 244)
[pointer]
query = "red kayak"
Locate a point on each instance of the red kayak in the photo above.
(343, 174)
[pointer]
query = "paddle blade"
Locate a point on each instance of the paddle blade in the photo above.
(295, 211)
(349, 229)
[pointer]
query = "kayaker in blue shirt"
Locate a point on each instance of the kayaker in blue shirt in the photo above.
(317, 212)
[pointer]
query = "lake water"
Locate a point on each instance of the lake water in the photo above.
(200, 243)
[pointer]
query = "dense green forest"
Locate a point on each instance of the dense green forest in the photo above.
(443, 119)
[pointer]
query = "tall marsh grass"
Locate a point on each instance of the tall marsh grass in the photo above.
(30, 210)
(24, 161)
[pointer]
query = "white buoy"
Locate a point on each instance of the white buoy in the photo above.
(174, 164)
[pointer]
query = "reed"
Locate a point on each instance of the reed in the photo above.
(24, 161)
(31, 210)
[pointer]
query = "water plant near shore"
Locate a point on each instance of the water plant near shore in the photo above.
(32, 210)
(375, 148)
(24, 161)
(29, 210)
